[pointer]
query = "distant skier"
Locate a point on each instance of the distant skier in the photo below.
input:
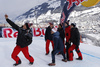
(48, 38)
(75, 39)
(23, 40)
(58, 46)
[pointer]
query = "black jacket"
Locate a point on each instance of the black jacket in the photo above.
(24, 37)
(62, 34)
(48, 34)
(75, 36)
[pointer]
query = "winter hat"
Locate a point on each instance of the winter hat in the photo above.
(60, 25)
(73, 24)
(67, 22)
(54, 29)
(51, 23)
(28, 25)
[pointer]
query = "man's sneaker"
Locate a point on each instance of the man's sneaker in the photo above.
(31, 63)
(79, 58)
(65, 60)
(47, 53)
(19, 62)
(51, 64)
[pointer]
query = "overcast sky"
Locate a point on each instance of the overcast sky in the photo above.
(16, 7)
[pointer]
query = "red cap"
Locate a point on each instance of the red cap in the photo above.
(51, 23)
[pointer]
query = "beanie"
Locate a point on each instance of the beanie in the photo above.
(60, 25)
(51, 23)
(67, 23)
(28, 25)
(73, 24)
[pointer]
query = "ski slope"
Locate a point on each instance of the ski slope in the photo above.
(90, 53)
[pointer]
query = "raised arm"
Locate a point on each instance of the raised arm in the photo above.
(11, 23)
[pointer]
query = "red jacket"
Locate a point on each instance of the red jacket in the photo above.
(67, 33)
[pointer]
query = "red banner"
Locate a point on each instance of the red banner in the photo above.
(11, 33)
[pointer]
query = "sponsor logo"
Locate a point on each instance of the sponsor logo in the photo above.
(77, 2)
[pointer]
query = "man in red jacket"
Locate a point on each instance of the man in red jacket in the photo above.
(24, 39)
(67, 36)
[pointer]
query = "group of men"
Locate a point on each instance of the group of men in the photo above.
(53, 35)
(60, 37)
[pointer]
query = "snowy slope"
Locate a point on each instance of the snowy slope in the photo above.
(90, 53)
(87, 18)
(38, 10)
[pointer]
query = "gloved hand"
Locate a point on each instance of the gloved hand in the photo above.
(69, 42)
(6, 16)
(66, 43)
(66, 34)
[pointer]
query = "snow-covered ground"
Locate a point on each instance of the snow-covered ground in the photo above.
(90, 53)
(97, 36)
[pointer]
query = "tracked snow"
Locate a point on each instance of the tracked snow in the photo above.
(90, 53)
